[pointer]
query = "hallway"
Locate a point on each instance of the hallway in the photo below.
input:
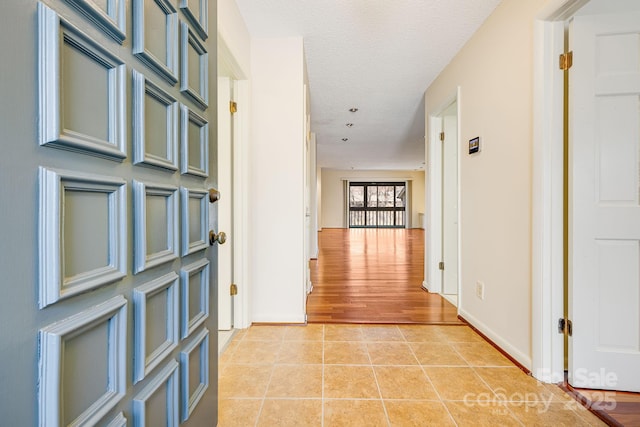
(373, 276)
(381, 375)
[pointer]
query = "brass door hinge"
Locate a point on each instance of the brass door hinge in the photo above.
(566, 61)
(233, 107)
(441, 136)
(565, 326)
(233, 289)
(441, 265)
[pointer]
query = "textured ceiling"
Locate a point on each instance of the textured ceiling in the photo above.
(376, 55)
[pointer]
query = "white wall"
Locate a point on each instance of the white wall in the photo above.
(233, 32)
(496, 105)
(332, 195)
(277, 161)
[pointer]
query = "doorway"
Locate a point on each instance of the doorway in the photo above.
(601, 166)
(442, 237)
(232, 159)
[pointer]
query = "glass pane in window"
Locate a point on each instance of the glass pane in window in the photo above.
(400, 196)
(356, 196)
(385, 196)
(372, 197)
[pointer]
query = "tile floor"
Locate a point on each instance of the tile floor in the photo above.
(361, 375)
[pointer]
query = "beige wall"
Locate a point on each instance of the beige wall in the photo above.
(332, 199)
(494, 72)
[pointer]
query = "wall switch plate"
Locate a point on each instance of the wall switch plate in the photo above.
(480, 290)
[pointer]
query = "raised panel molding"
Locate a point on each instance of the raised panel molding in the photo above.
(111, 21)
(54, 285)
(169, 376)
(142, 259)
(167, 69)
(141, 88)
(188, 246)
(191, 321)
(113, 313)
(146, 359)
(119, 421)
(199, 19)
(53, 33)
(197, 91)
(188, 166)
(200, 343)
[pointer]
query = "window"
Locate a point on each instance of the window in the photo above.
(377, 205)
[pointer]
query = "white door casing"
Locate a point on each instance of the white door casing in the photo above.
(225, 204)
(604, 268)
(450, 200)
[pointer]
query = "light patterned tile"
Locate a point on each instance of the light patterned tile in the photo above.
(415, 413)
(238, 412)
(513, 385)
(481, 354)
(265, 333)
(458, 383)
(351, 382)
(244, 381)
(547, 413)
(291, 413)
(391, 353)
(404, 382)
(459, 334)
(437, 354)
(301, 381)
(382, 333)
(301, 352)
(422, 333)
(346, 353)
(256, 352)
(311, 332)
(354, 413)
(481, 414)
(343, 333)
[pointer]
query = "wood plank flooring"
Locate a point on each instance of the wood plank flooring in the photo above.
(373, 276)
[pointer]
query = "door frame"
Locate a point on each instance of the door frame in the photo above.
(433, 189)
(547, 355)
(240, 233)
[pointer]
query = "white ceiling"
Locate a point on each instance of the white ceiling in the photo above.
(376, 55)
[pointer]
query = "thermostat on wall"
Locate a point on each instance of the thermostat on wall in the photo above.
(474, 145)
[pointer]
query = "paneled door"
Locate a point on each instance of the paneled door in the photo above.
(109, 313)
(604, 266)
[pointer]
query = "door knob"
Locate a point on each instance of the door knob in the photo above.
(219, 238)
(214, 195)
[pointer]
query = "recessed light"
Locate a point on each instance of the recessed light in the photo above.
(345, 139)
(349, 125)
(353, 110)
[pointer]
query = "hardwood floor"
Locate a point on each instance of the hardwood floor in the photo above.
(373, 276)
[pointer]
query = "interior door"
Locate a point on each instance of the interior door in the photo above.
(110, 293)
(225, 205)
(604, 268)
(450, 200)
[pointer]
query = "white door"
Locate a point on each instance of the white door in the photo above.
(108, 278)
(604, 268)
(225, 205)
(450, 201)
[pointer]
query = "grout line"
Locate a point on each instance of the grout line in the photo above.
(375, 377)
(433, 386)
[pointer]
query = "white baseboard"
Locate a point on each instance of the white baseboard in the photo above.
(453, 299)
(426, 286)
(523, 359)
